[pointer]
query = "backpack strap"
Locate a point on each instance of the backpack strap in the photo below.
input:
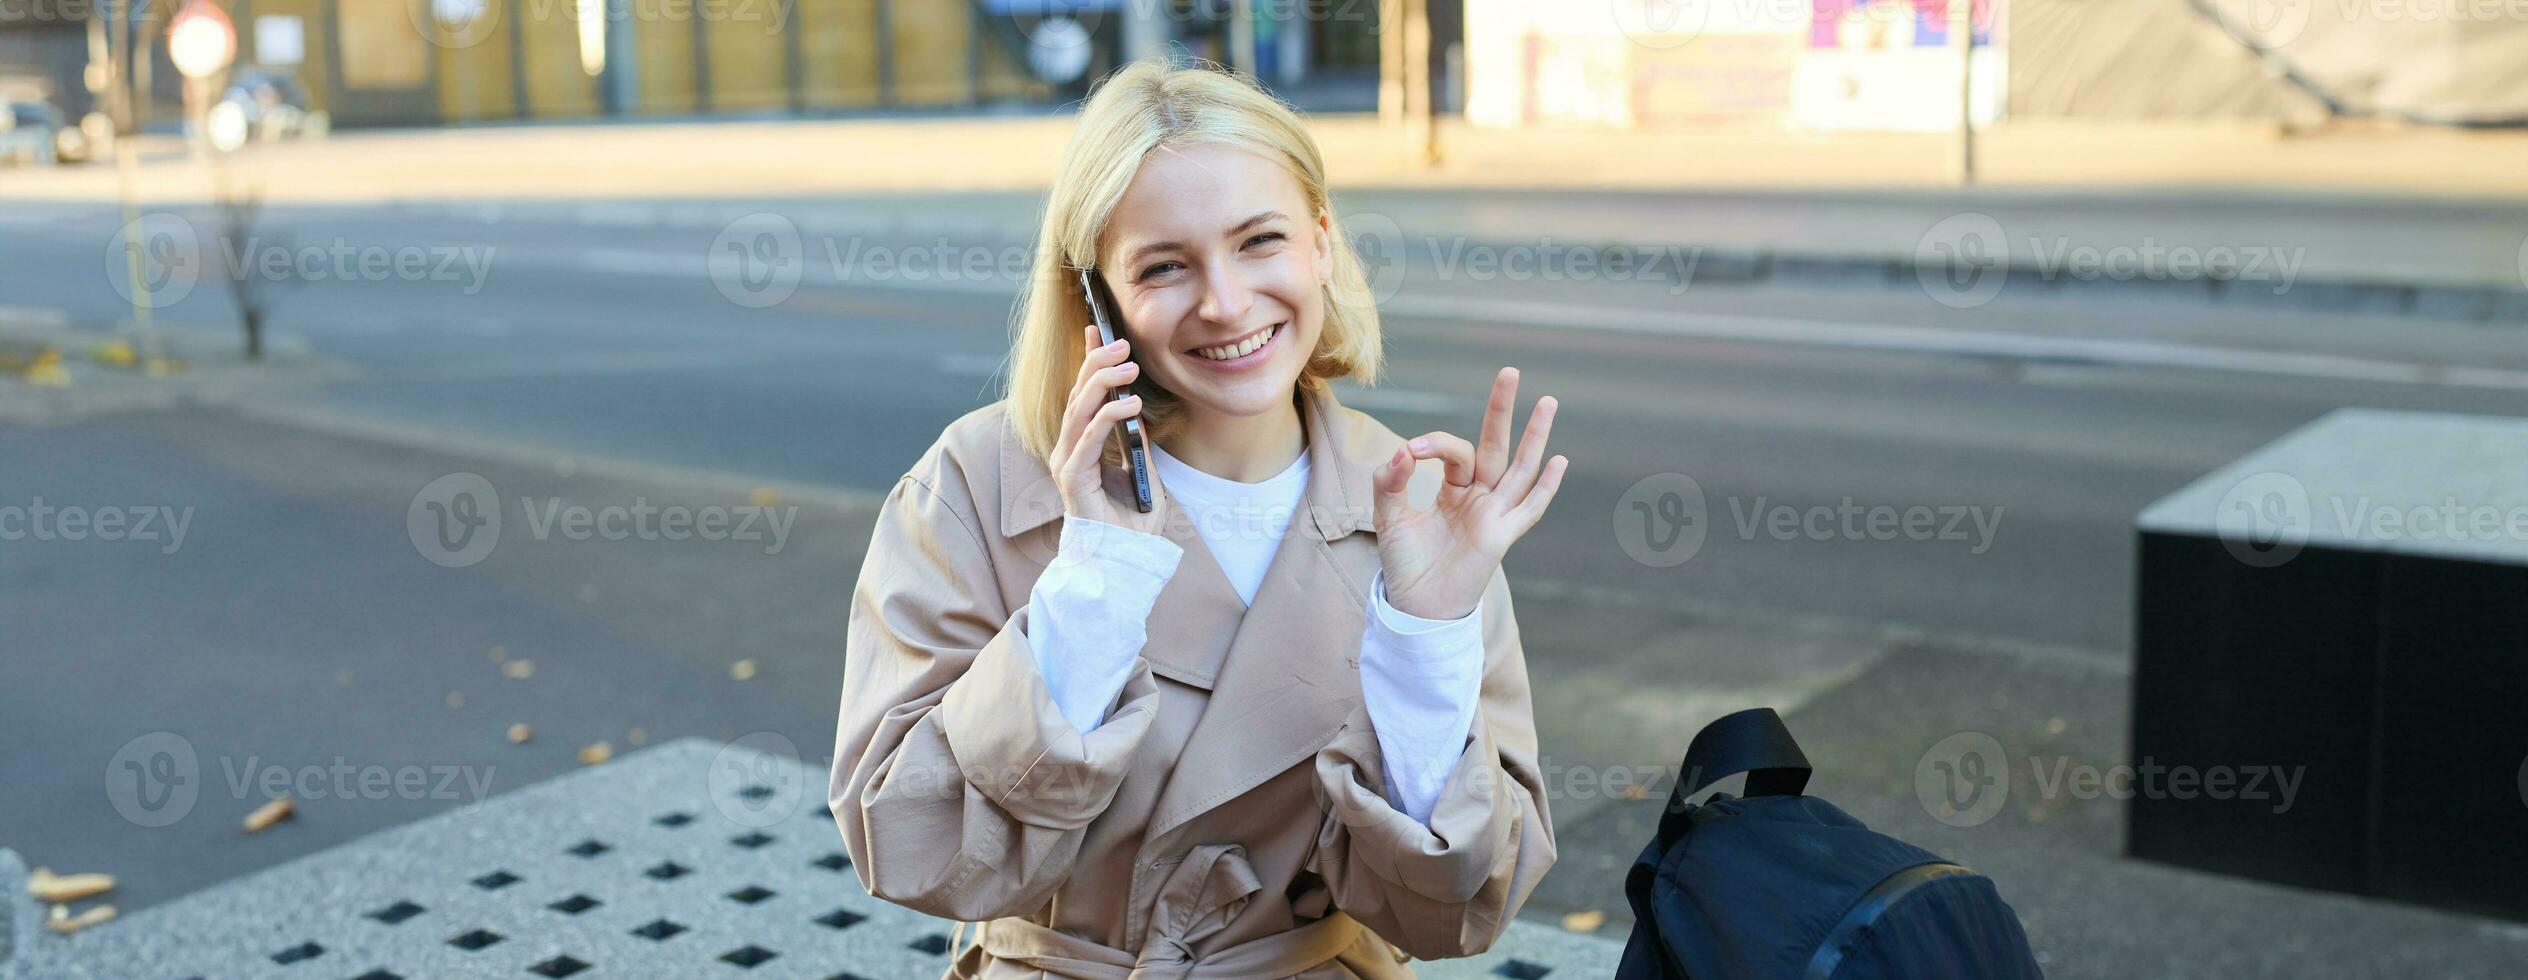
(1865, 911)
(1754, 742)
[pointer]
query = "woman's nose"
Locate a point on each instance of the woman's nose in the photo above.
(1226, 294)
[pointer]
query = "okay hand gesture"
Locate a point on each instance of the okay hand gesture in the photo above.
(1439, 561)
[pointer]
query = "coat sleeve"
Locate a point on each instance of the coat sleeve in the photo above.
(960, 789)
(1447, 889)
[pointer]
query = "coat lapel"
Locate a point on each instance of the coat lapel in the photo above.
(1286, 678)
(1283, 674)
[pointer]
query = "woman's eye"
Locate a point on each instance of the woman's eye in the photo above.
(1155, 270)
(1270, 236)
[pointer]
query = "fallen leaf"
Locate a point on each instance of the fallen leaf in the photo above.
(268, 814)
(764, 497)
(519, 669)
(456, 699)
(63, 922)
(1636, 791)
(637, 737)
(49, 887)
(520, 733)
(1585, 920)
(595, 754)
(742, 670)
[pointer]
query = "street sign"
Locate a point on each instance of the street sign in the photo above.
(201, 40)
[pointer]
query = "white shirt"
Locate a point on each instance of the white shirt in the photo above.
(1090, 610)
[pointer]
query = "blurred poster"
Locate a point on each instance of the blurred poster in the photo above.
(1888, 64)
(1631, 62)
(280, 41)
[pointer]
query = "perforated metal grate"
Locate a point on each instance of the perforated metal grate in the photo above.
(689, 859)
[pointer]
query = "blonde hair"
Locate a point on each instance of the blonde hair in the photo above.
(1144, 107)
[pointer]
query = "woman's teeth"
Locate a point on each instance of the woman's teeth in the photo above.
(1234, 351)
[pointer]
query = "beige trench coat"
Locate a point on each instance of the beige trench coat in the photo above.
(1226, 819)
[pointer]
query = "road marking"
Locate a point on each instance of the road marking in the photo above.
(1794, 331)
(42, 316)
(1932, 340)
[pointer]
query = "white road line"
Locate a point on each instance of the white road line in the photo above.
(42, 316)
(1932, 340)
(1795, 331)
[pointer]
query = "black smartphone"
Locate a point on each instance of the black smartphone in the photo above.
(1136, 442)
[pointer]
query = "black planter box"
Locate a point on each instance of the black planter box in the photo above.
(2347, 606)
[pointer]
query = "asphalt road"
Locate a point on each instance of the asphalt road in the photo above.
(1802, 413)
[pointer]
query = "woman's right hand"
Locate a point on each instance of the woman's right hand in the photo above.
(1089, 421)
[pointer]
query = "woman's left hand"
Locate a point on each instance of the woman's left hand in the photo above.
(1438, 562)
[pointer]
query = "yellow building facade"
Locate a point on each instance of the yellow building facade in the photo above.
(419, 62)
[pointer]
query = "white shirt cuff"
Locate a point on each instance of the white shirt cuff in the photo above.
(1420, 679)
(1089, 613)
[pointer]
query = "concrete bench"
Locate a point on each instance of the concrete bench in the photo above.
(660, 863)
(2346, 609)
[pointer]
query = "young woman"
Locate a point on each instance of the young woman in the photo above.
(1279, 725)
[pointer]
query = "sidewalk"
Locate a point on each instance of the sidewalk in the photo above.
(2361, 205)
(713, 158)
(689, 859)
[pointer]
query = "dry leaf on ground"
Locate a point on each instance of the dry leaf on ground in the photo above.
(49, 887)
(65, 923)
(268, 814)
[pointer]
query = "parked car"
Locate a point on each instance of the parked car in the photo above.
(31, 133)
(262, 105)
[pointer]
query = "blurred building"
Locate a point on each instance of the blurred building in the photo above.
(1834, 64)
(1892, 64)
(44, 54)
(422, 62)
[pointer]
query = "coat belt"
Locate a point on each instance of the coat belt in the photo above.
(1204, 894)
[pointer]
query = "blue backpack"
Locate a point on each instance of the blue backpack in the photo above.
(1783, 885)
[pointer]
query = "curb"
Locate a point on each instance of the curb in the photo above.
(18, 911)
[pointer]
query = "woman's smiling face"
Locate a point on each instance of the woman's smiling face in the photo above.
(1212, 250)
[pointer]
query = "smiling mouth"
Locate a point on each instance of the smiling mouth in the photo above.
(1243, 347)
